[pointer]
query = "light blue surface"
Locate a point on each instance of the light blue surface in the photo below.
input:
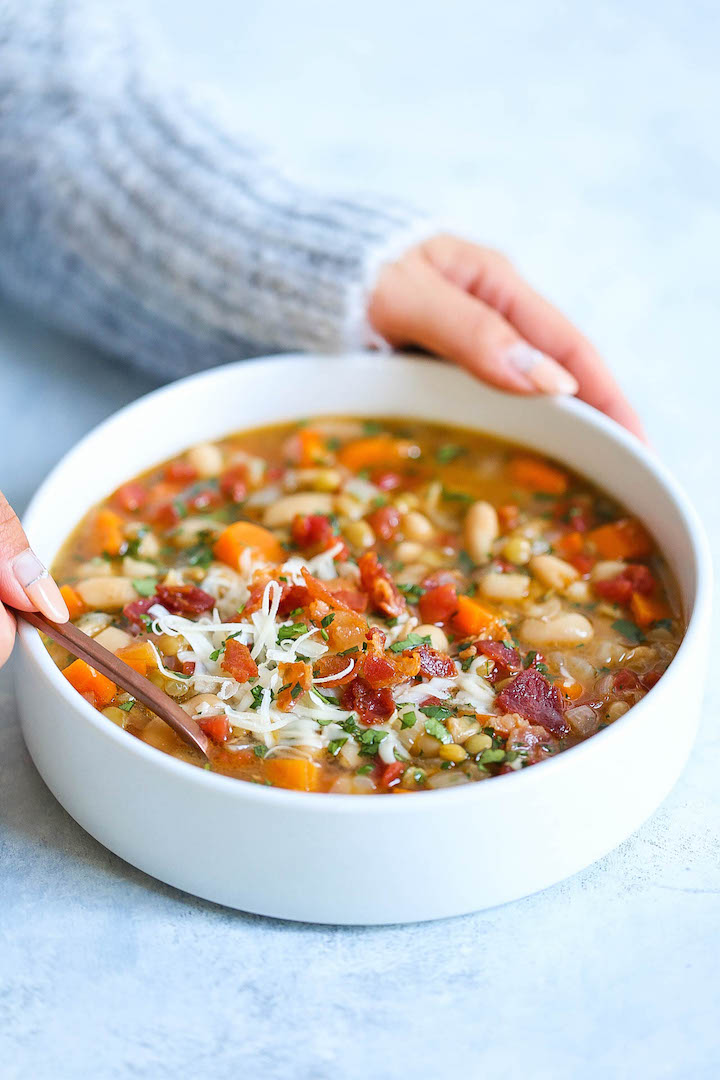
(583, 140)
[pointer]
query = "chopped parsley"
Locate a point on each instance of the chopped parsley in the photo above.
(662, 624)
(410, 642)
(259, 750)
(336, 745)
(412, 592)
(435, 712)
(364, 770)
(491, 756)
(408, 719)
(438, 730)
(126, 706)
(372, 427)
(629, 630)
(370, 741)
(199, 555)
(291, 633)
(145, 586)
(257, 697)
(457, 496)
(327, 620)
(448, 452)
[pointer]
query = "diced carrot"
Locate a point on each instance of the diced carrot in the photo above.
(241, 535)
(313, 448)
(571, 690)
(623, 539)
(570, 544)
(90, 683)
(107, 532)
(508, 516)
(537, 475)
(373, 452)
(472, 619)
(647, 610)
(216, 728)
(297, 774)
(139, 656)
(75, 603)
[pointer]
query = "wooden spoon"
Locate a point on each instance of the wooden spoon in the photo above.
(123, 675)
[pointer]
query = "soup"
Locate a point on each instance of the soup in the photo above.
(379, 606)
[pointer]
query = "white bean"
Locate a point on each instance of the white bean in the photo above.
(206, 459)
(480, 530)
(189, 531)
(579, 592)
(553, 572)
(416, 526)
(107, 593)
(566, 629)
(504, 586)
(284, 510)
(136, 568)
(408, 551)
(438, 637)
(113, 638)
(606, 569)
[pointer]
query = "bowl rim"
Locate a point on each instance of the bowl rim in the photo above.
(310, 801)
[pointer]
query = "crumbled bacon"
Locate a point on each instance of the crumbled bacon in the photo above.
(328, 665)
(532, 696)
(296, 678)
(383, 593)
(504, 658)
(137, 608)
(619, 590)
(372, 706)
(380, 670)
(434, 664)
(313, 533)
(184, 599)
(320, 590)
(345, 594)
(238, 662)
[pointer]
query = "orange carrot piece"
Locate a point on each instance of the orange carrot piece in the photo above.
(75, 603)
(623, 539)
(107, 532)
(231, 543)
(297, 774)
(472, 619)
(570, 544)
(93, 686)
(646, 610)
(139, 656)
(535, 475)
(313, 448)
(377, 450)
(571, 690)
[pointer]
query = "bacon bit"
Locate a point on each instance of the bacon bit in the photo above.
(296, 677)
(434, 664)
(184, 599)
(130, 497)
(318, 590)
(624, 680)
(635, 578)
(387, 670)
(509, 517)
(439, 604)
(179, 472)
(391, 774)
(383, 594)
(505, 659)
(238, 662)
(137, 608)
(346, 631)
(234, 483)
(291, 597)
(376, 639)
(372, 706)
(327, 666)
(216, 728)
(386, 481)
(347, 595)
(384, 521)
(313, 533)
(532, 696)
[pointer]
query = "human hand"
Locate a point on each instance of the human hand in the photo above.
(24, 581)
(469, 304)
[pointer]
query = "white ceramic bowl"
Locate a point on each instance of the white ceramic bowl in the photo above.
(342, 858)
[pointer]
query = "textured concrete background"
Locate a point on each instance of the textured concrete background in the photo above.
(583, 142)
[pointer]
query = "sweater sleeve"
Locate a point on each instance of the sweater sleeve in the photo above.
(134, 215)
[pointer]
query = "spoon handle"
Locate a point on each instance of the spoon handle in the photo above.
(100, 658)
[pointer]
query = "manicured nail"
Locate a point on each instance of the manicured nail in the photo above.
(544, 373)
(39, 587)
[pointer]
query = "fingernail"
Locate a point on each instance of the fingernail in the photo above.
(544, 373)
(38, 586)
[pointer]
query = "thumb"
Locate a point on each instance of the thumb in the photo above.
(24, 581)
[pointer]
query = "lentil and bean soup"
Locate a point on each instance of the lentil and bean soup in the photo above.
(378, 606)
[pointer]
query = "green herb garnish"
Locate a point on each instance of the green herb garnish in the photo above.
(629, 630)
(259, 750)
(437, 729)
(126, 706)
(448, 452)
(410, 642)
(336, 745)
(408, 719)
(291, 633)
(145, 586)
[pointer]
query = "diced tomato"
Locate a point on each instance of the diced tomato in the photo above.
(385, 521)
(137, 608)
(506, 660)
(234, 483)
(184, 599)
(130, 497)
(382, 592)
(237, 661)
(620, 589)
(434, 664)
(187, 667)
(165, 514)
(180, 472)
(624, 680)
(570, 544)
(386, 481)
(532, 696)
(378, 671)
(508, 517)
(390, 775)
(372, 706)
(216, 728)
(313, 533)
(350, 597)
(438, 605)
(583, 563)
(650, 678)
(322, 590)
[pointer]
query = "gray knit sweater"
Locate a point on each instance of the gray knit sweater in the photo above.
(133, 215)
